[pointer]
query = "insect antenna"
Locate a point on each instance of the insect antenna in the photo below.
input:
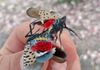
(72, 31)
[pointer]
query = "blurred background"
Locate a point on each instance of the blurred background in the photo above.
(82, 15)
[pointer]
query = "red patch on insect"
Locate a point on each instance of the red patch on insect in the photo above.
(48, 23)
(43, 46)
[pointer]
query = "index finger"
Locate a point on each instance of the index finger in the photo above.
(17, 40)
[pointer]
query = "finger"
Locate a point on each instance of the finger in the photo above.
(53, 65)
(72, 60)
(11, 62)
(17, 40)
(69, 48)
(45, 65)
(68, 45)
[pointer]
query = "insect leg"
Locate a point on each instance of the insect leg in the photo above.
(30, 32)
(31, 28)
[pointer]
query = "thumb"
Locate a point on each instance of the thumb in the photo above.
(11, 62)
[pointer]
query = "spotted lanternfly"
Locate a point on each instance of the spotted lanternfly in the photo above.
(41, 46)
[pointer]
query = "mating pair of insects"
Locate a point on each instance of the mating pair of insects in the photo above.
(41, 46)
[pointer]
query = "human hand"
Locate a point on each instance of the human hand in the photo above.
(12, 51)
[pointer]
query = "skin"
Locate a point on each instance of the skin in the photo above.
(12, 51)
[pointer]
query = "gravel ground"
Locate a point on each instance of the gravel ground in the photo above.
(83, 17)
